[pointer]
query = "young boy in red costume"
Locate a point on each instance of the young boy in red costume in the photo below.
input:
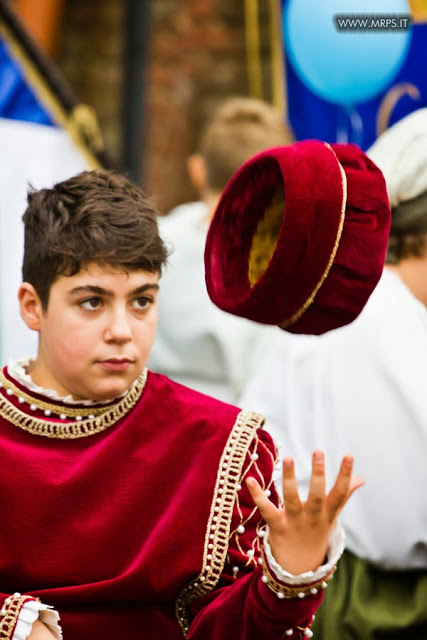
(135, 507)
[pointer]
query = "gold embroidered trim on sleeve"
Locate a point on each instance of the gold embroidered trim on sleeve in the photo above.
(218, 529)
(74, 429)
(284, 591)
(9, 614)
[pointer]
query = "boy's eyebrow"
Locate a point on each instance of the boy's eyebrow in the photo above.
(95, 289)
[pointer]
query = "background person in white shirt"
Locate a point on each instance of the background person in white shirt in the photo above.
(362, 388)
(197, 344)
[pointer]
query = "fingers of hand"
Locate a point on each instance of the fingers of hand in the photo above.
(265, 506)
(343, 487)
(316, 496)
(291, 497)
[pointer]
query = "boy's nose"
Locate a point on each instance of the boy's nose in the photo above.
(118, 329)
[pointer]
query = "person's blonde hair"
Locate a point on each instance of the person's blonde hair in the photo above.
(240, 128)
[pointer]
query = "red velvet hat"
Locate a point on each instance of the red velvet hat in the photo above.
(299, 237)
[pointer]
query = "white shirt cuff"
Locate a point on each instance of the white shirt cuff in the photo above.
(32, 611)
(333, 554)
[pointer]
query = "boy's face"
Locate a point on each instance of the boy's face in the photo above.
(97, 332)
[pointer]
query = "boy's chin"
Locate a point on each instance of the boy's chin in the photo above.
(108, 390)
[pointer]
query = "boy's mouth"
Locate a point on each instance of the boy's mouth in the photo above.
(115, 364)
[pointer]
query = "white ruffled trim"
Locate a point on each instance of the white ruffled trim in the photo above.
(333, 554)
(32, 611)
(17, 370)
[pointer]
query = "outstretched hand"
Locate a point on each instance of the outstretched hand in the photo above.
(299, 532)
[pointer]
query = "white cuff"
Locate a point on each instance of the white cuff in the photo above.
(32, 611)
(335, 548)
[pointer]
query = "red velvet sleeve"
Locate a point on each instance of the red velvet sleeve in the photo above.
(242, 607)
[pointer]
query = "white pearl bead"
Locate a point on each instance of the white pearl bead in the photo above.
(9, 392)
(238, 487)
(8, 600)
(289, 632)
(259, 560)
(210, 546)
(254, 456)
(301, 595)
(33, 407)
(209, 556)
(202, 578)
(235, 569)
(21, 400)
(280, 595)
(308, 633)
(324, 585)
(78, 418)
(313, 591)
(264, 579)
(63, 416)
(47, 412)
(208, 568)
(267, 493)
(250, 553)
(262, 533)
(91, 417)
(240, 529)
(3, 612)
(16, 594)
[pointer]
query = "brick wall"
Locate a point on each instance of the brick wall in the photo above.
(197, 57)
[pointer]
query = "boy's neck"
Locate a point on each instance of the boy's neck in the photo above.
(211, 199)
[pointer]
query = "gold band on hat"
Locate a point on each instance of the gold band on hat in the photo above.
(265, 239)
(297, 315)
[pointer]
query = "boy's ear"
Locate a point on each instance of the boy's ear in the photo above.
(30, 306)
(196, 167)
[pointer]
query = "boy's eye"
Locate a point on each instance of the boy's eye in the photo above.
(142, 303)
(91, 303)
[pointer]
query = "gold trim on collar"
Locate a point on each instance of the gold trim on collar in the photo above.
(219, 523)
(290, 321)
(59, 409)
(75, 429)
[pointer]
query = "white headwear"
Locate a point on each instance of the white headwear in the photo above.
(401, 154)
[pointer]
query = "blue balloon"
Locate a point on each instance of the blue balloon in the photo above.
(347, 66)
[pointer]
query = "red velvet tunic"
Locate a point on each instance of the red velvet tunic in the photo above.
(131, 532)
